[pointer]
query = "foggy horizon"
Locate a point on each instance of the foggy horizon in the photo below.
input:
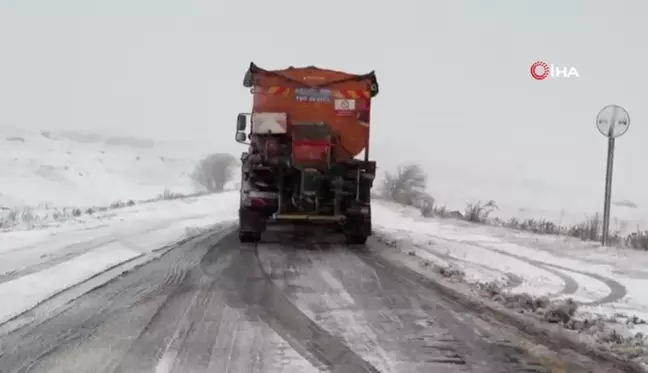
(455, 96)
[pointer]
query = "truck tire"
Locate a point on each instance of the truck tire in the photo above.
(251, 226)
(249, 237)
(358, 229)
(356, 239)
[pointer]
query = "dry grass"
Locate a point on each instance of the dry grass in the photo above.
(29, 217)
(589, 230)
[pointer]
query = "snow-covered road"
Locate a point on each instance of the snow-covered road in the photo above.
(325, 307)
(213, 304)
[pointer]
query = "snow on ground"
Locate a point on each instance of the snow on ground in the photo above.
(521, 198)
(83, 169)
(38, 264)
(86, 169)
(606, 283)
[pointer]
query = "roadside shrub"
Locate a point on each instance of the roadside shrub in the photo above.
(425, 204)
(637, 240)
(407, 186)
(479, 212)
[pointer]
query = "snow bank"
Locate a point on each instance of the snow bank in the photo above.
(37, 265)
(28, 291)
(589, 295)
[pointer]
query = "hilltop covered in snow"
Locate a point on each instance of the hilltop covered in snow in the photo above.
(73, 168)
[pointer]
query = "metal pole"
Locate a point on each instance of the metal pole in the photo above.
(608, 192)
(611, 134)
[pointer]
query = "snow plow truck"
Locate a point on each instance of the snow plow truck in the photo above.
(305, 135)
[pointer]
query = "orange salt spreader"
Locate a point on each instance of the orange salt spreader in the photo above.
(306, 127)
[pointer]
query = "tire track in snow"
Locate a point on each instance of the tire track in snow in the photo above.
(379, 313)
(58, 302)
(340, 311)
(159, 343)
(512, 280)
(570, 285)
(617, 290)
(483, 351)
(75, 250)
(315, 343)
(200, 308)
(38, 344)
(387, 317)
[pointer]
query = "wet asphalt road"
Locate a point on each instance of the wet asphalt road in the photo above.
(215, 305)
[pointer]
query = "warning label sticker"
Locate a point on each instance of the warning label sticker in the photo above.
(345, 107)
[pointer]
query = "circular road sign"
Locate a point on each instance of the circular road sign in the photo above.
(613, 121)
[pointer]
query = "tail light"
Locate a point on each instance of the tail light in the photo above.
(310, 150)
(271, 145)
(257, 203)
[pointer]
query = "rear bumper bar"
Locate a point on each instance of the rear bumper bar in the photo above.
(301, 217)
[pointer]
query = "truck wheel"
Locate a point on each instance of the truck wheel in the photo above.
(356, 239)
(251, 225)
(249, 237)
(357, 230)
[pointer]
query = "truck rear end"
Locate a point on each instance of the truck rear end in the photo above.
(306, 131)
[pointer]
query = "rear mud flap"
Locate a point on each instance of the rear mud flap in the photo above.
(359, 224)
(251, 221)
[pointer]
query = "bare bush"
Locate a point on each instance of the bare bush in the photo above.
(479, 212)
(425, 204)
(14, 216)
(592, 230)
(407, 187)
(169, 195)
(117, 205)
(541, 226)
(441, 211)
(214, 171)
(637, 240)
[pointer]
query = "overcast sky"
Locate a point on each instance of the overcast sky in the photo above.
(456, 93)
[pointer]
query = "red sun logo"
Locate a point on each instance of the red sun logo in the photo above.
(543, 73)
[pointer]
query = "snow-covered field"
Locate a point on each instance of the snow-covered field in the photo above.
(562, 206)
(86, 169)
